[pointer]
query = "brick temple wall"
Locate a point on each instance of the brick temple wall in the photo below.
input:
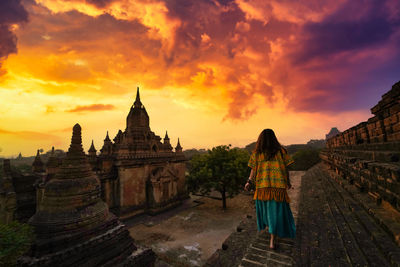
(368, 154)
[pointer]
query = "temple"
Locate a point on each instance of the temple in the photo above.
(139, 172)
(333, 132)
(73, 225)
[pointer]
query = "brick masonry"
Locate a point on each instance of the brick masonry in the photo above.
(368, 154)
(337, 226)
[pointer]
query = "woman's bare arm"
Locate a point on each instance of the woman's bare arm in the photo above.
(247, 186)
(251, 177)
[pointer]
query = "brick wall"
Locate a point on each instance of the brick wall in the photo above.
(368, 154)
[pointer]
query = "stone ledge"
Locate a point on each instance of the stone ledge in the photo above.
(234, 247)
(384, 215)
(381, 156)
(142, 257)
(381, 146)
(376, 233)
(382, 179)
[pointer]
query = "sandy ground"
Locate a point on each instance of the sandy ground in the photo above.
(191, 236)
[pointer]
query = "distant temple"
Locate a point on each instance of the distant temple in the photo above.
(138, 173)
(333, 132)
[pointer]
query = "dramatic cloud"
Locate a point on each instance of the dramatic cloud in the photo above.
(228, 60)
(342, 57)
(344, 31)
(94, 107)
(307, 54)
(11, 13)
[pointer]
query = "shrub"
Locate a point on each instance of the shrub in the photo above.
(305, 159)
(15, 240)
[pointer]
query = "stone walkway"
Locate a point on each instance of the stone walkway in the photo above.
(258, 253)
(333, 229)
(236, 250)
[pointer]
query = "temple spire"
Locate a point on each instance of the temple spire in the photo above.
(107, 138)
(137, 103)
(92, 148)
(167, 144)
(107, 147)
(76, 141)
(37, 165)
(178, 147)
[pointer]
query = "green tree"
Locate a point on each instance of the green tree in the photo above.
(15, 239)
(305, 159)
(222, 169)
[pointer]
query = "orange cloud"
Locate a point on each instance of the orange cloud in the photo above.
(209, 61)
(28, 135)
(93, 107)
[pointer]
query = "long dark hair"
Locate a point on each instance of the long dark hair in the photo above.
(267, 144)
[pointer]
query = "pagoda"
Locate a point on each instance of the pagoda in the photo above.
(73, 225)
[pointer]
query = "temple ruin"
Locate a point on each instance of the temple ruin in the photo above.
(73, 225)
(368, 154)
(138, 173)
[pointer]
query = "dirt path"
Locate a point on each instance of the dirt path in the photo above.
(191, 236)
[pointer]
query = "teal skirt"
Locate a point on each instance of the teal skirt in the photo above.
(277, 216)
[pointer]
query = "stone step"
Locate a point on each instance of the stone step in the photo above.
(259, 254)
(319, 241)
(389, 221)
(377, 238)
(382, 180)
(334, 229)
(383, 146)
(265, 258)
(357, 241)
(381, 156)
(381, 238)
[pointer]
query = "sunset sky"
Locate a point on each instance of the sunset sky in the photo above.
(210, 72)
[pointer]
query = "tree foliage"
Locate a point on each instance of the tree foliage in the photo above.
(305, 159)
(15, 239)
(222, 169)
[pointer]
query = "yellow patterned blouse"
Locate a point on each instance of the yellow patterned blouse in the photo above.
(271, 179)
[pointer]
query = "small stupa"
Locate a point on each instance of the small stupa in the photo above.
(37, 165)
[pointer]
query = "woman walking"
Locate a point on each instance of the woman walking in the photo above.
(269, 171)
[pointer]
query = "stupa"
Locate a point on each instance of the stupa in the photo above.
(73, 225)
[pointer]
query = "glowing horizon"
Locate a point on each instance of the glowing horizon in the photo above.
(210, 72)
